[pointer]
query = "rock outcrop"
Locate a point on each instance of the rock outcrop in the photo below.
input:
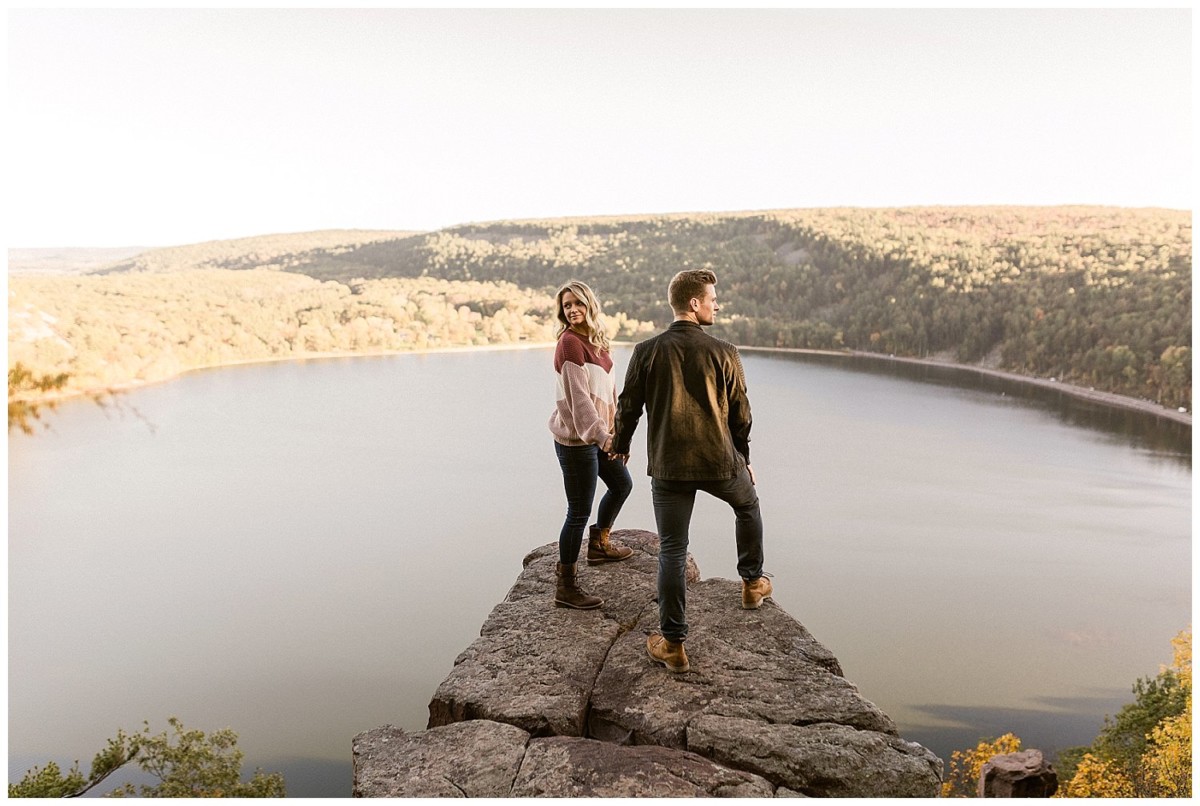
(1026, 774)
(552, 702)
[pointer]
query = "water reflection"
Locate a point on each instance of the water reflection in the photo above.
(295, 527)
(1065, 722)
(1159, 435)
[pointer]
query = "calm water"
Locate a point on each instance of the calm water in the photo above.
(300, 550)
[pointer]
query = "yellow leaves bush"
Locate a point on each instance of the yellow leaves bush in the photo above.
(1162, 770)
(1167, 765)
(1096, 778)
(1182, 665)
(962, 779)
(1164, 767)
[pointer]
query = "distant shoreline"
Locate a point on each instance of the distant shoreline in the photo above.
(99, 391)
(1091, 395)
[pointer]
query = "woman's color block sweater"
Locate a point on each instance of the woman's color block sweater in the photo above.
(587, 392)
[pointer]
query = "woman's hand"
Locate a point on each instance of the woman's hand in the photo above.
(607, 446)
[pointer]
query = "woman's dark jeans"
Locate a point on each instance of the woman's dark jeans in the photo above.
(673, 503)
(581, 466)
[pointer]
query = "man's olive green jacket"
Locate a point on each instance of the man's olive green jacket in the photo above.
(693, 390)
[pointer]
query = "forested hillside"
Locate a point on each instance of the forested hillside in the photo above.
(1095, 296)
(113, 330)
(286, 252)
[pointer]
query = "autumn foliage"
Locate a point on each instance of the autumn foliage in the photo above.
(962, 777)
(1145, 751)
(1095, 296)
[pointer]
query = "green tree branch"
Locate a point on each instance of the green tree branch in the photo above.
(187, 764)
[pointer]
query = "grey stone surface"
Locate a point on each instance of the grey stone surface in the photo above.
(765, 710)
(750, 664)
(568, 767)
(476, 759)
(822, 760)
(627, 587)
(538, 680)
(534, 664)
(784, 792)
(1018, 775)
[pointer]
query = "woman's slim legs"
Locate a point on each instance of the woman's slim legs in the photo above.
(616, 478)
(580, 471)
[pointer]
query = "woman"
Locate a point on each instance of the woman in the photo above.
(582, 425)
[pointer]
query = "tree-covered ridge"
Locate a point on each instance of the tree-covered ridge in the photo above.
(1096, 296)
(284, 252)
(108, 331)
(67, 260)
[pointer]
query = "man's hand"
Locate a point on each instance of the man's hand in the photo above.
(623, 458)
(750, 470)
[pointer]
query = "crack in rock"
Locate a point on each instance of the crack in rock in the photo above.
(765, 711)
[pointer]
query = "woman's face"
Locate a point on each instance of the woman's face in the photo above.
(574, 310)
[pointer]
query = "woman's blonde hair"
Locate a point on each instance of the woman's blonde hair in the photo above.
(597, 333)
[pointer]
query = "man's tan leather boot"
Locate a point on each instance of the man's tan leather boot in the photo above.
(668, 653)
(754, 592)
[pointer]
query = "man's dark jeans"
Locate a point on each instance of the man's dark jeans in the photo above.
(581, 466)
(673, 503)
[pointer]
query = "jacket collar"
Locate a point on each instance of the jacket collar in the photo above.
(682, 323)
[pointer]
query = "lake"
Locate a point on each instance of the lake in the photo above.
(300, 550)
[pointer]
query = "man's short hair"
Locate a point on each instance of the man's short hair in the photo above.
(688, 285)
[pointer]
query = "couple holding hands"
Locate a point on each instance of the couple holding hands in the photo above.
(693, 391)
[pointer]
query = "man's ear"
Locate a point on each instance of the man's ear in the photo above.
(694, 304)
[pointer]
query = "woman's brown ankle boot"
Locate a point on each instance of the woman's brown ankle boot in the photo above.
(601, 550)
(568, 594)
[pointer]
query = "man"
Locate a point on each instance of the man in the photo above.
(694, 392)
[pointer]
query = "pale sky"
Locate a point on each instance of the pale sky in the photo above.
(169, 126)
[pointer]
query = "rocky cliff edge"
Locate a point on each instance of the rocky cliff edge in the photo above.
(550, 702)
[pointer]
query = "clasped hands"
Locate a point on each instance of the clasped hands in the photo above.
(623, 458)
